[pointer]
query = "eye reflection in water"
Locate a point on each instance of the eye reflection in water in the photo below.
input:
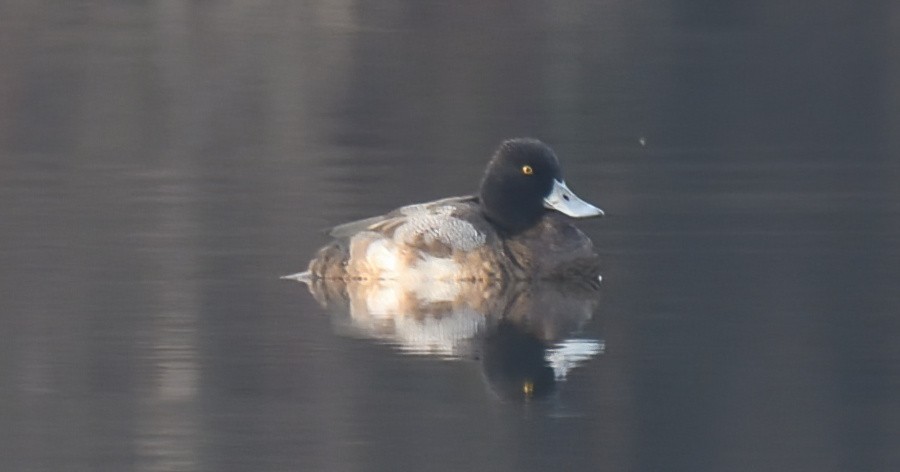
(524, 335)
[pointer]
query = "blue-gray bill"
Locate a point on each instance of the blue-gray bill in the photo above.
(566, 202)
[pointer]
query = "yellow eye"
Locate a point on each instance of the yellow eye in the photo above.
(527, 170)
(528, 388)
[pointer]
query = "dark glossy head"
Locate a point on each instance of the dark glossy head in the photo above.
(522, 181)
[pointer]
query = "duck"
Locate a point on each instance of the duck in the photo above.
(517, 227)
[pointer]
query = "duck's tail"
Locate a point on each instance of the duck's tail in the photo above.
(305, 277)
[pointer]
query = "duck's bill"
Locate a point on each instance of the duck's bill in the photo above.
(566, 202)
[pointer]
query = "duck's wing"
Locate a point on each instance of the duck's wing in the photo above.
(346, 230)
(393, 218)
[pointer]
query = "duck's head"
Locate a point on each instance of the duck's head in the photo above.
(524, 180)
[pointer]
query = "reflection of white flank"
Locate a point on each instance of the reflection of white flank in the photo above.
(381, 302)
(398, 312)
(441, 336)
(568, 354)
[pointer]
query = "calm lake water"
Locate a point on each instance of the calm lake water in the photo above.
(163, 163)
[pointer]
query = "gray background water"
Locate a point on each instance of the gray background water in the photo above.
(163, 162)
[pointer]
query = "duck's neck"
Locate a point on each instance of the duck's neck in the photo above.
(509, 216)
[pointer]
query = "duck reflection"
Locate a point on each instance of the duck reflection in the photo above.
(523, 334)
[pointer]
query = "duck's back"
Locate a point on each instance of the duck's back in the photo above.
(447, 239)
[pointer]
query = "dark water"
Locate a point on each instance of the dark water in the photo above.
(162, 163)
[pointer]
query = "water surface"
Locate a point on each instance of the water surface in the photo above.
(162, 164)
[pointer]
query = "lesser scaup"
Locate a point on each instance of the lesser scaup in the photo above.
(505, 232)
